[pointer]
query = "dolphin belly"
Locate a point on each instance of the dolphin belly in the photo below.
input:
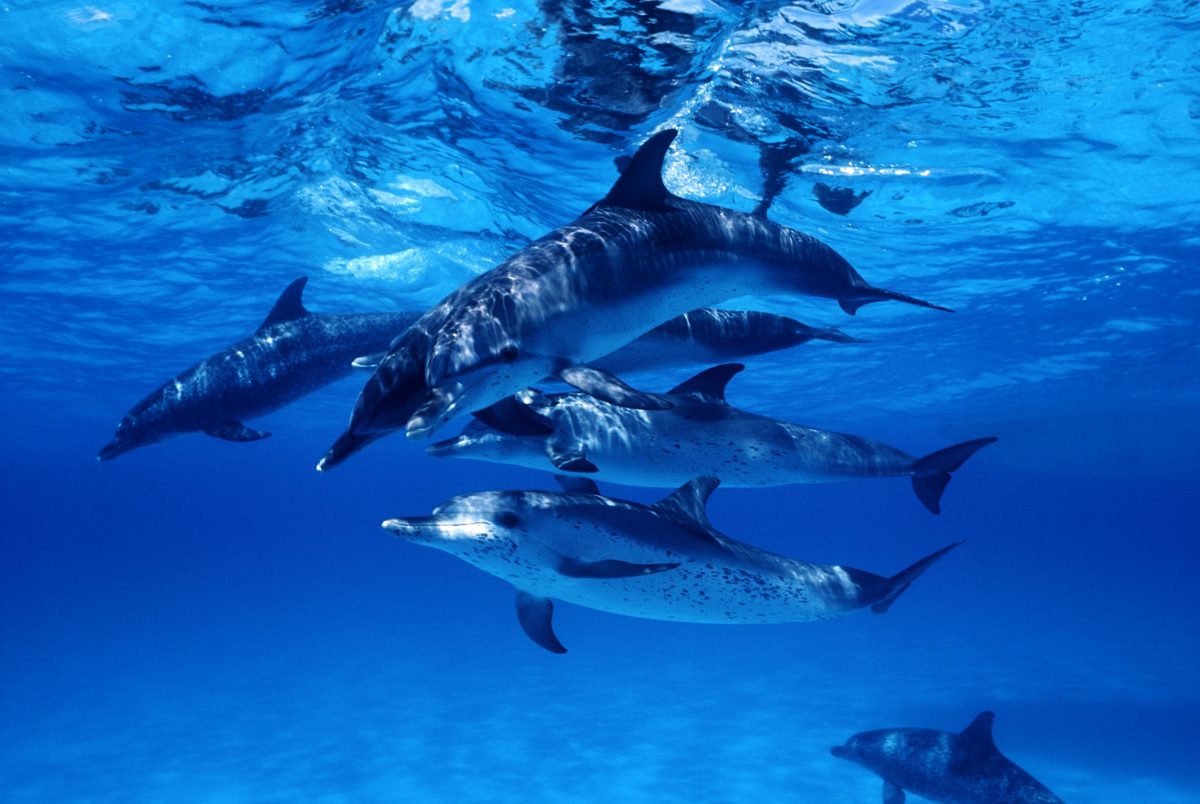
(709, 585)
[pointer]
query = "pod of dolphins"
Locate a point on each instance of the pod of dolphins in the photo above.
(628, 286)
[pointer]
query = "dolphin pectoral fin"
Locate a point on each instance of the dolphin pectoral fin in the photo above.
(851, 305)
(509, 415)
(235, 431)
(438, 406)
(535, 614)
(569, 455)
(611, 568)
(892, 794)
(368, 361)
(932, 473)
(573, 484)
(573, 464)
(608, 388)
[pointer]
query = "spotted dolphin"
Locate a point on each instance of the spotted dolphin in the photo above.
(699, 433)
(962, 768)
(662, 562)
(635, 259)
(292, 353)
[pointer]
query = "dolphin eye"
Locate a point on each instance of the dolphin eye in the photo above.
(509, 354)
(508, 519)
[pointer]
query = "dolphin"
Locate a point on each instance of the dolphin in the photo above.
(292, 353)
(963, 768)
(635, 259)
(702, 336)
(708, 336)
(662, 562)
(698, 432)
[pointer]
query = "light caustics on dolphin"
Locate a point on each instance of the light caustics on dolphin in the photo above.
(664, 562)
(637, 258)
(292, 353)
(697, 433)
(954, 768)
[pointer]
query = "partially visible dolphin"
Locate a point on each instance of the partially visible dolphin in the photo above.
(708, 335)
(292, 353)
(697, 432)
(962, 768)
(662, 562)
(703, 337)
(637, 258)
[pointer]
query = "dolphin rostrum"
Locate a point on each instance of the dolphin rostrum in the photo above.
(292, 353)
(962, 768)
(662, 562)
(637, 258)
(698, 433)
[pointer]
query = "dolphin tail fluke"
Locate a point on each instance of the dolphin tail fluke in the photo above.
(347, 444)
(851, 305)
(895, 586)
(932, 473)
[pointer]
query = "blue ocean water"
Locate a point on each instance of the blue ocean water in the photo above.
(202, 620)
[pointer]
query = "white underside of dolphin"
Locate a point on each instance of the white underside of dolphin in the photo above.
(638, 258)
(663, 562)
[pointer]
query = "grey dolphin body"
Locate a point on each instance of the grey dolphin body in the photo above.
(708, 336)
(292, 353)
(637, 258)
(700, 433)
(663, 562)
(962, 768)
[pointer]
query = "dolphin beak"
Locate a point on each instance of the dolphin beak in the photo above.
(112, 449)
(437, 529)
(840, 752)
(409, 528)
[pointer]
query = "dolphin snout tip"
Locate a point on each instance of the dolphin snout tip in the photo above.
(110, 450)
(839, 751)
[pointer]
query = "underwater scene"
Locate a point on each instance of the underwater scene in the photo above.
(600, 400)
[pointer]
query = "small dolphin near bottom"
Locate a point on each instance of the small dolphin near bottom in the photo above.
(962, 768)
(661, 562)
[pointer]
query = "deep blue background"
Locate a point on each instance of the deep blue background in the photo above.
(216, 621)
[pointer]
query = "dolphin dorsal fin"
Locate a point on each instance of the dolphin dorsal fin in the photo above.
(977, 737)
(289, 307)
(710, 382)
(688, 500)
(641, 185)
(573, 484)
